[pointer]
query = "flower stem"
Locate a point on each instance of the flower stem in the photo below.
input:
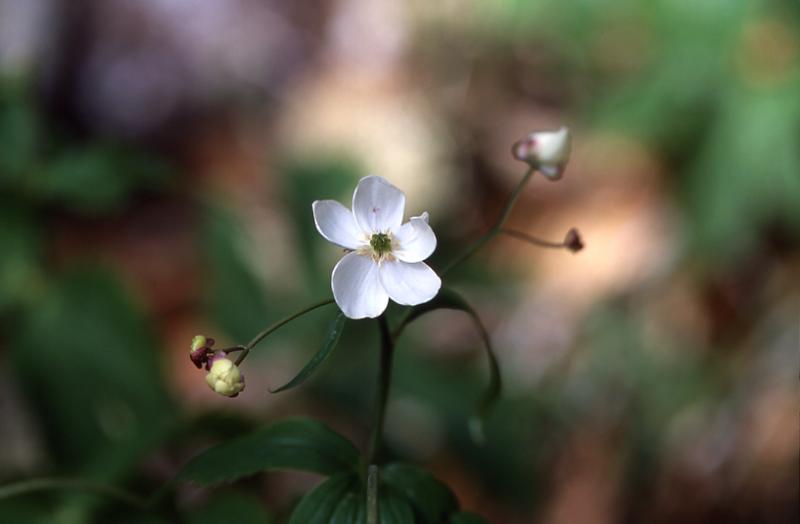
(384, 379)
(519, 235)
(496, 228)
(372, 494)
(49, 483)
(266, 332)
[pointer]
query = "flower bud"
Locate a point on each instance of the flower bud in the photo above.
(573, 241)
(547, 151)
(198, 342)
(200, 351)
(225, 378)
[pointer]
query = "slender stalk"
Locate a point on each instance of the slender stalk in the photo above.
(266, 332)
(496, 228)
(532, 239)
(384, 379)
(50, 483)
(372, 494)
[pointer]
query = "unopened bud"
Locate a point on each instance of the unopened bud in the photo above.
(546, 151)
(198, 342)
(200, 351)
(225, 378)
(573, 241)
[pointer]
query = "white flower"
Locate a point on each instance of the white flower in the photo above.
(547, 151)
(385, 258)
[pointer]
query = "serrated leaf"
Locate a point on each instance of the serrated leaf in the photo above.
(464, 517)
(294, 444)
(334, 333)
(319, 505)
(431, 499)
(449, 299)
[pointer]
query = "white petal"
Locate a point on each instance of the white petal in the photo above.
(415, 240)
(409, 284)
(378, 206)
(335, 222)
(357, 287)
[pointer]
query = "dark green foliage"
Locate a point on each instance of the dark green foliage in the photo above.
(322, 504)
(296, 444)
(431, 500)
(229, 507)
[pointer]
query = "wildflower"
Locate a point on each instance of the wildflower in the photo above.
(385, 257)
(225, 378)
(547, 151)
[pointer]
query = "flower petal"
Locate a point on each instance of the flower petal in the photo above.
(357, 287)
(378, 206)
(416, 241)
(409, 284)
(335, 222)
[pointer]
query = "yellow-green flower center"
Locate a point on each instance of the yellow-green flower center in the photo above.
(381, 244)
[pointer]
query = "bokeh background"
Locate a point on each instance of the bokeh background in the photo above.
(158, 159)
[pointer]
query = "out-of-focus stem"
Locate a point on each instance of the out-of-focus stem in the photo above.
(384, 380)
(372, 494)
(49, 483)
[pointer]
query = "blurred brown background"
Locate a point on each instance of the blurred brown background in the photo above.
(158, 160)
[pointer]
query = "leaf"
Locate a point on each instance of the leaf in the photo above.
(449, 299)
(463, 517)
(394, 509)
(349, 510)
(431, 499)
(319, 505)
(297, 444)
(230, 507)
(86, 359)
(334, 333)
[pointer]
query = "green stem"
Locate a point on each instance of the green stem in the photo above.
(496, 228)
(265, 333)
(372, 494)
(384, 379)
(48, 483)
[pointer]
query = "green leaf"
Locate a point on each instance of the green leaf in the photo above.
(334, 333)
(431, 499)
(350, 510)
(297, 444)
(230, 507)
(449, 299)
(393, 508)
(86, 359)
(463, 517)
(320, 505)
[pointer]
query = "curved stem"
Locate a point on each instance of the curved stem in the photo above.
(50, 483)
(384, 379)
(496, 228)
(266, 332)
(532, 239)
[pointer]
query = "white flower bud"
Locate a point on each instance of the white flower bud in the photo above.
(547, 151)
(225, 378)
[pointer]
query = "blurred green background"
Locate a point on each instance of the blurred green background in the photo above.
(158, 160)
